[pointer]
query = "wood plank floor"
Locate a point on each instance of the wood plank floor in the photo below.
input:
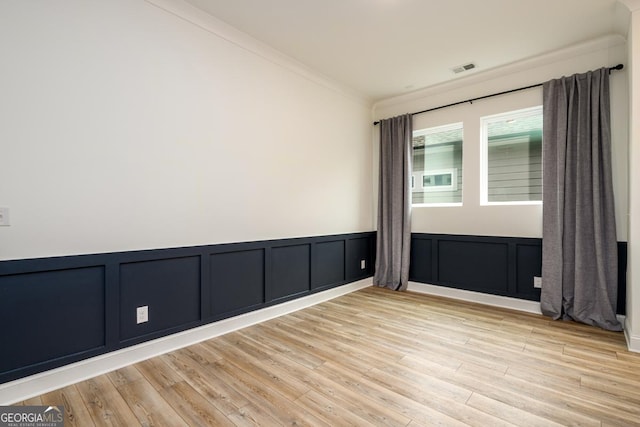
(376, 357)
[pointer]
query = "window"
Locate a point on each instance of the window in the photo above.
(440, 180)
(512, 157)
(437, 165)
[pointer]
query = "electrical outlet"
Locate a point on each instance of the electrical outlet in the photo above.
(4, 217)
(363, 264)
(142, 314)
(537, 282)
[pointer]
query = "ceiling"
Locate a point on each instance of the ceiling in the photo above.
(383, 48)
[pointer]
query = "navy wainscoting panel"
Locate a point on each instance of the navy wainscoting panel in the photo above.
(484, 268)
(237, 280)
(48, 315)
(59, 310)
(495, 265)
(290, 269)
(169, 287)
(529, 265)
(328, 264)
(359, 249)
(421, 265)
(622, 277)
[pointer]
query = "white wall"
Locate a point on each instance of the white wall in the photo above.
(517, 221)
(127, 127)
(632, 321)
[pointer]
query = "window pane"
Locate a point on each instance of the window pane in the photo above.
(514, 156)
(437, 165)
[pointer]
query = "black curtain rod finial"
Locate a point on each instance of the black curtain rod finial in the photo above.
(617, 67)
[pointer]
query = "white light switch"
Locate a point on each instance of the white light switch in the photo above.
(4, 217)
(363, 264)
(142, 314)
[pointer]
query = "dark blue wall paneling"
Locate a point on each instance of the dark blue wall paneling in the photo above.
(528, 264)
(329, 263)
(290, 269)
(169, 287)
(59, 310)
(422, 263)
(494, 265)
(55, 311)
(237, 280)
(484, 267)
(359, 249)
(41, 323)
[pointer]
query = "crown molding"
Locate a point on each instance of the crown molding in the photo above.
(189, 13)
(589, 46)
(632, 5)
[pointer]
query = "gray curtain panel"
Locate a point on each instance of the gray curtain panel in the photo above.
(394, 203)
(579, 249)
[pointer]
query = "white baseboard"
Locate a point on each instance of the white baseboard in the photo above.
(481, 298)
(35, 385)
(633, 340)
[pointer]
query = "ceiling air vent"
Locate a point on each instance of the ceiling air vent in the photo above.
(465, 67)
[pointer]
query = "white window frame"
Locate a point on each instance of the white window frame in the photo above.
(484, 153)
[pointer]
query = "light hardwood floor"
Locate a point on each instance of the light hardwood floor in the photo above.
(376, 357)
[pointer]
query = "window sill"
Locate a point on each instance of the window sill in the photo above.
(436, 205)
(524, 203)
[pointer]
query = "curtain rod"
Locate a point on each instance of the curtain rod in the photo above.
(617, 67)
